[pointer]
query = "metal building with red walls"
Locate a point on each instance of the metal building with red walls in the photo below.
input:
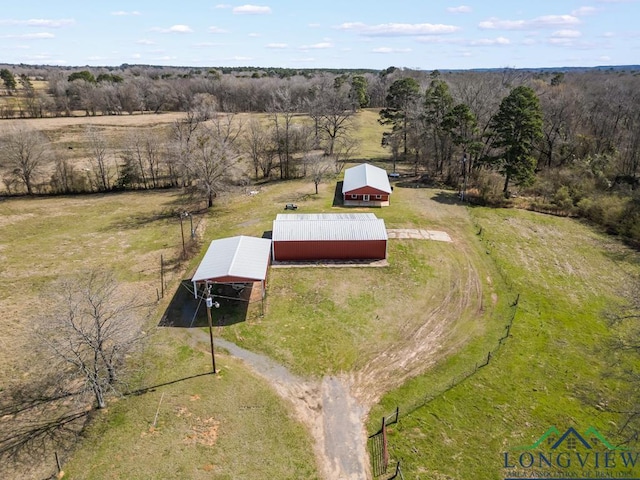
(366, 186)
(328, 236)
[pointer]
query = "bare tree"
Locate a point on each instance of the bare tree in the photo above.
(91, 328)
(343, 150)
(144, 150)
(214, 155)
(283, 110)
(24, 152)
(318, 166)
(257, 142)
(102, 174)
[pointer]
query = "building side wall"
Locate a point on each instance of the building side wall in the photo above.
(329, 250)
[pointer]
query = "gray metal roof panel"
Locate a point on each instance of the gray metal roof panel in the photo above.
(329, 230)
(242, 256)
(365, 175)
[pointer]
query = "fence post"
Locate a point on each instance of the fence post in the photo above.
(162, 275)
(385, 451)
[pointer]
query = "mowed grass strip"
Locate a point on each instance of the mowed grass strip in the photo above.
(552, 370)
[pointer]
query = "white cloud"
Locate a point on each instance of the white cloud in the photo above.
(554, 20)
(497, 24)
(399, 29)
(566, 34)
(174, 29)
(29, 36)
(255, 35)
(144, 41)
(317, 46)
(122, 13)
(40, 22)
(276, 45)
(490, 41)
(214, 29)
(391, 50)
(460, 9)
(538, 22)
(251, 10)
(180, 29)
(582, 11)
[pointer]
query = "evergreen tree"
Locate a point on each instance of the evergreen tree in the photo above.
(515, 129)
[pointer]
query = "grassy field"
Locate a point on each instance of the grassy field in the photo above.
(46, 238)
(446, 303)
(227, 426)
(553, 370)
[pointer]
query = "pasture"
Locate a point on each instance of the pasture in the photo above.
(395, 334)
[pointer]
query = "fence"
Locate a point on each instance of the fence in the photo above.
(378, 442)
(379, 447)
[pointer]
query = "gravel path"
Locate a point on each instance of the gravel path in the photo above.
(332, 414)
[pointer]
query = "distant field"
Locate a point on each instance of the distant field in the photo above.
(401, 333)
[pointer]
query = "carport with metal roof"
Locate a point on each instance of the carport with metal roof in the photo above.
(240, 259)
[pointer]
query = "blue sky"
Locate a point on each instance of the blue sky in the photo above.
(420, 34)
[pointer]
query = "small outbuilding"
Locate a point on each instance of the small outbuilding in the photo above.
(328, 236)
(234, 260)
(366, 186)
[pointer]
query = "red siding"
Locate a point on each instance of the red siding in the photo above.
(366, 191)
(329, 250)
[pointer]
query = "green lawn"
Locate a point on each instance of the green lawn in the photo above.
(552, 370)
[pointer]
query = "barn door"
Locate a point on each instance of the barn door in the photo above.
(365, 198)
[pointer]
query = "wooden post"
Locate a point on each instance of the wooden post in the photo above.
(162, 275)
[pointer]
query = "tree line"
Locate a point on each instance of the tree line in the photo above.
(568, 141)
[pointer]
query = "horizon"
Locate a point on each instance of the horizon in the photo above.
(357, 35)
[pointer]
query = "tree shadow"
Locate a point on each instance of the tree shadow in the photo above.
(37, 419)
(448, 198)
(187, 311)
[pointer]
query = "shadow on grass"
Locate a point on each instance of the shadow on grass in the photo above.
(152, 388)
(448, 198)
(338, 200)
(186, 311)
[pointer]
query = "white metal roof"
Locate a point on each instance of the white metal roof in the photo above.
(328, 226)
(242, 257)
(365, 175)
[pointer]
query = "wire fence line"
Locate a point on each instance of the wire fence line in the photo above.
(380, 449)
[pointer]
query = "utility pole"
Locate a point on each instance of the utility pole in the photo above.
(210, 304)
(193, 232)
(184, 250)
